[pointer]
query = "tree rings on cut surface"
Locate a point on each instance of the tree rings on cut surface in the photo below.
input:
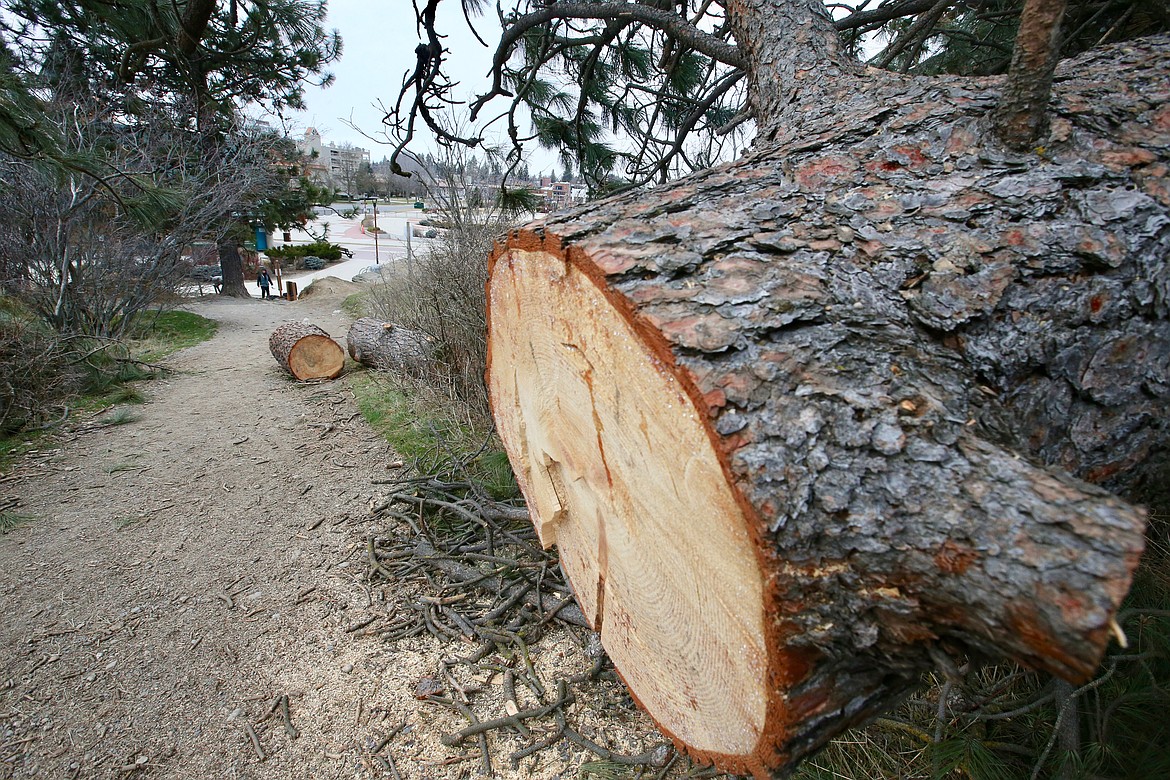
(306, 351)
(621, 474)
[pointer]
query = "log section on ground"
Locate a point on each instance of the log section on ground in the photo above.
(802, 423)
(386, 346)
(306, 351)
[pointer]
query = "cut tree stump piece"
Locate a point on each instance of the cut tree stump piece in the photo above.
(620, 473)
(386, 346)
(801, 434)
(306, 351)
(749, 632)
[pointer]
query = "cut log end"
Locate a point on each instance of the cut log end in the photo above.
(306, 351)
(316, 357)
(622, 476)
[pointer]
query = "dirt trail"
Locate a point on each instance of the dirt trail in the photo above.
(180, 573)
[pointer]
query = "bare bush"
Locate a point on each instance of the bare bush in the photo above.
(88, 255)
(38, 373)
(443, 294)
(83, 258)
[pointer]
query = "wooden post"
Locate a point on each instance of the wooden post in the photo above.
(292, 291)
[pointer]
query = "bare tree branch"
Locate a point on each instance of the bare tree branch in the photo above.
(886, 12)
(685, 32)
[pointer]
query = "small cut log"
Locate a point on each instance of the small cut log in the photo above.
(306, 351)
(386, 346)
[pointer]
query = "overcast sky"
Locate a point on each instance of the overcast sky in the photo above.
(379, 39)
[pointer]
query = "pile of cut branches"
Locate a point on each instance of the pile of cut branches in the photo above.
(469, 570)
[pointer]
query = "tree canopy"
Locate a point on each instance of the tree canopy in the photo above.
(188, 69)
(645, 91)
(194, 65)
(209, 55)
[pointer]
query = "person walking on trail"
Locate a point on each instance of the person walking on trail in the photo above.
(265, 281)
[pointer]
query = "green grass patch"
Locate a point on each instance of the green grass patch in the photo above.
(9, 521)
(98, 375)
(357, 305)
(108, 394)
(604, 770)
(120, 416)
(155, 337)
(14, 445)
(430, 440)
(122, 523)
(126, 465)
(169, 332)
(126, 394)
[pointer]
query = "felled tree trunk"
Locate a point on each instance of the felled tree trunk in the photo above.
(801, 424)
(386, 346)
(306, 351)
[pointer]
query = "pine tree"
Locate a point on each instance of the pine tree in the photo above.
(186, 55)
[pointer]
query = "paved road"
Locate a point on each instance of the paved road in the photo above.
(389, 249)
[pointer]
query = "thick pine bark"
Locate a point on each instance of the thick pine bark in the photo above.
(861, 398)
(794, 58)
(306, 351)
(386, 346)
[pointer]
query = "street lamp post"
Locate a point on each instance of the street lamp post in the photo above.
(377, 257)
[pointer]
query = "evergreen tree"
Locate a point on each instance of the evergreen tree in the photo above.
(189, 56)
(661, 90)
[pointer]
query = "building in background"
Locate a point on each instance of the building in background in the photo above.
(560, 195)
(339, 167)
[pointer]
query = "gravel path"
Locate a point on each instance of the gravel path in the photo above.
(181, 573)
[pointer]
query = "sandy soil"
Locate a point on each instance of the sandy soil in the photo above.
(180, 573)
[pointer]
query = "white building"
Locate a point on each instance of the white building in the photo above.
(334, 166)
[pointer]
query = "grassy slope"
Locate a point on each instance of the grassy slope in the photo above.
(113, 374)
(431, 440)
